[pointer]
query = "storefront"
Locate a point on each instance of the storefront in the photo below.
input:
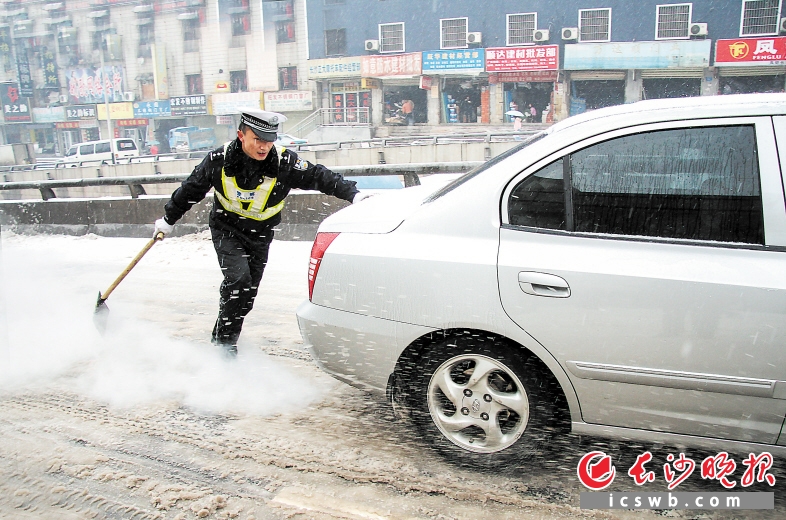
(346, 98)
(16, 109)
(339, 77)
(81, 124)
(463, 93)
(43, 129)
(117, 112)
(528, 76)
(750, 65)
(295, 104)
(607, 74)
(403, 102)
(227, 109)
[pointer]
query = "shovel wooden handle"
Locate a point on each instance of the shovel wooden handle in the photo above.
(137, 258)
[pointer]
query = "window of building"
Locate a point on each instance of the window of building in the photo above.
(191, 35)
(100, 26)
(453, 33)
(285, 31)
(283, 12)
(673, 21)
(391, 37)
(336, 42)
(287, 78)
(238, 81)
(688, 183)
(595, 25)
(521, 28)
(760, 17)
(194, 84)
(239, 17)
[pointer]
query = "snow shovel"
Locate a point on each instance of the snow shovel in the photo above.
(101, 313)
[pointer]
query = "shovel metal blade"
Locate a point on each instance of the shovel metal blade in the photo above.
(101, 314)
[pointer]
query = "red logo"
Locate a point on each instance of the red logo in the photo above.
(596, 475)
(13, 94)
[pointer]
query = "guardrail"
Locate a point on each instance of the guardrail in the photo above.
(135, 184)
(381, 142)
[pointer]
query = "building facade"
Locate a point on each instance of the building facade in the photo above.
(156, 65)
(478, 62)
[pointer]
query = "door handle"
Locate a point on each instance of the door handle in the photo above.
(542, 284)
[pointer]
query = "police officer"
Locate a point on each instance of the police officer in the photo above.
(251, 176)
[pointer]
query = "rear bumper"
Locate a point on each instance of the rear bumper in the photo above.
(359, 350)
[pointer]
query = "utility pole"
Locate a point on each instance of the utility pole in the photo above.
(105, 40)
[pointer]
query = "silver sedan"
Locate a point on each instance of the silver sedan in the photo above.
(622, 274)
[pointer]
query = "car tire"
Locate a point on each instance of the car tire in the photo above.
(492, 420)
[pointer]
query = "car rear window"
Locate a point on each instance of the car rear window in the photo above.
(687, 183)
(126, 144)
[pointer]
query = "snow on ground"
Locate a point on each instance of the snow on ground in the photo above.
(149, 421)
(50, 286)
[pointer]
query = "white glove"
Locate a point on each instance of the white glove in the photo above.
(361, 195)
(162, 226)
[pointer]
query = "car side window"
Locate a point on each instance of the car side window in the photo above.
(86, 149)
(693, 183)
(102, 147)
(71, 151)
(539, 200)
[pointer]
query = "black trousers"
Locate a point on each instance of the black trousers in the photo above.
(242, 258)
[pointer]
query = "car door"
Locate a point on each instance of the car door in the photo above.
(647, 262)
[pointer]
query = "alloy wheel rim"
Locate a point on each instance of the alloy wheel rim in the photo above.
(478, 403)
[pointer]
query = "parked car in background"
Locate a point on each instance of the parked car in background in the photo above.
(621, 274)
(289, 140)
(99, 152)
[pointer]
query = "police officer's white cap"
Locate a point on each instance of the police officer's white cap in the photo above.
(264, 124)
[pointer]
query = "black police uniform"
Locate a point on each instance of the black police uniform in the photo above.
(240, 237)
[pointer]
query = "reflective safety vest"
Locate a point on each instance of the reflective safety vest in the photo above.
(249, 203)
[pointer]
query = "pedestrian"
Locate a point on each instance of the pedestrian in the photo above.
(251, 176)
(408, 108)
(533, 112)
(517, 124)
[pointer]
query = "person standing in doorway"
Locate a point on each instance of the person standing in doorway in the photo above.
(533, 112)
(408, 108)
(251, 176)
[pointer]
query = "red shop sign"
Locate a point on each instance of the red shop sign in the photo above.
(751, 51)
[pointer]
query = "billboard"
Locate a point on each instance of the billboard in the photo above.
(86, 86)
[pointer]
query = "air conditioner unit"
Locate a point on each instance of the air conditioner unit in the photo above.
(698, 29)
(474, 37)
(372, 45)
(783, 25)
(128, 96)
(570, 33)
(63, 98)
(541, 35)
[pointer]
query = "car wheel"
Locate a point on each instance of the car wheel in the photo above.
(480, 400)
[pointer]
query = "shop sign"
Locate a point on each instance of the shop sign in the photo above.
(540, 57)
(222, 86)
(49, 114)
(751, 51)
(81, 113)
(195, 105)
(688, 54)
(50, 69)
(454, 62)
(152, 109)
(334, 68)
(347, 86)
(224, 104)
(225, 120)
(289, 101)
(377, 66)
(16, 109)
(425, 82)
(533, 76)
(132, 122)
(23, 70)
(116, 111)
(86, 85)
(369, 83)
(68, 125)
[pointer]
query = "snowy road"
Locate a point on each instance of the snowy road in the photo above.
(149, 421)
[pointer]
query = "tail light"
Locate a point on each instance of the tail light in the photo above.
(321, 244)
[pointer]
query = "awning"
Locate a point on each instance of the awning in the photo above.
(98, 14)
(751, 71)
(672, 73)
(597, 75)
(188, 16)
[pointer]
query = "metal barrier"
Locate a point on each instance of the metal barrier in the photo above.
(410, 173)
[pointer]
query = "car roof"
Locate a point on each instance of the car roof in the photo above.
(681, 108)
